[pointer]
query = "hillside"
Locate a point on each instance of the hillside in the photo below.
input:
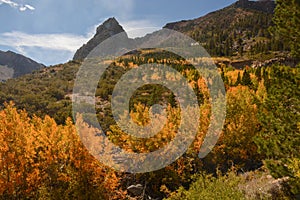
(45, 156)
(241, 29)
(239, 32)
(14, 65)
(48, 91)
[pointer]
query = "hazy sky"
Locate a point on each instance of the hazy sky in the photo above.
(50, 31)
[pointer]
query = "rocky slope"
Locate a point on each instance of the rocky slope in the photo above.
(109, 28)
(225, 17)
(14, 65)
(240, 28)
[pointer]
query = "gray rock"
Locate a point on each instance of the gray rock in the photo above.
(14, 65)
(109, 28)
(136, 190)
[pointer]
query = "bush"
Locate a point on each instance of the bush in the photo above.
(210, 187)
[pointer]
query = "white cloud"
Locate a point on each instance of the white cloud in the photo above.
(123, 11)
(65, 42)
(134, 28)
(48, 49)
(63, 45)
(22, 8)
(9, 2)
(139, 28)
(16, 5)
(25, 7)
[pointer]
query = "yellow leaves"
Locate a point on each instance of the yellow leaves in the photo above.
(233, 75)
(141, 117)
(164, 189)
(261, 92)
(236, 142)
(38, 154)
(294, 167)
(203, 87)
(112, 183)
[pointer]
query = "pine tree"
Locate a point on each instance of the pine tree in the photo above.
(246, 80)
(279, 137)
(258, 73)
(238, 81)
(287, 20)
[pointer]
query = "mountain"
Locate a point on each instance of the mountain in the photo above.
(223, 33)
(240, 30)
(237, 30)
(109, 28)
(14, 65)
(225, 17)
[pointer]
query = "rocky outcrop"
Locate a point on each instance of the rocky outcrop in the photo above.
(109, 28)
(278, 60)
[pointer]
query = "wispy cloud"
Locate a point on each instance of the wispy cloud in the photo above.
(16, 5)
(9, 2)
(69, 42)
(123, 10)
(33, 44)
(48, 49)
(25, 7)
(133, 28)
(139, 28)
(66, 42)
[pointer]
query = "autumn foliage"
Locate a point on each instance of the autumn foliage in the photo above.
(40, 159)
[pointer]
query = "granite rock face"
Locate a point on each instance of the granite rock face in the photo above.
(109, 28)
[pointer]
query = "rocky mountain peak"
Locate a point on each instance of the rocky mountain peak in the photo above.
(110, 24)
(109, 28)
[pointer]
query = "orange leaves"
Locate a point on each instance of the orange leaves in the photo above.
(141, 117)
(38, 156)
(16, 164)
(236, 144)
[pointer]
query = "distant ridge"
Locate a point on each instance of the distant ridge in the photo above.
(14, 65)
(264, 6)
(240, 29)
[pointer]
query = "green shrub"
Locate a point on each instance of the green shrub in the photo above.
(210, 187)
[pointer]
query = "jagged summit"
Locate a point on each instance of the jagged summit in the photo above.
(110, 24)
(109, 28)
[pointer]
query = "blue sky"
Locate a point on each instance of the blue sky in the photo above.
(50, 31)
